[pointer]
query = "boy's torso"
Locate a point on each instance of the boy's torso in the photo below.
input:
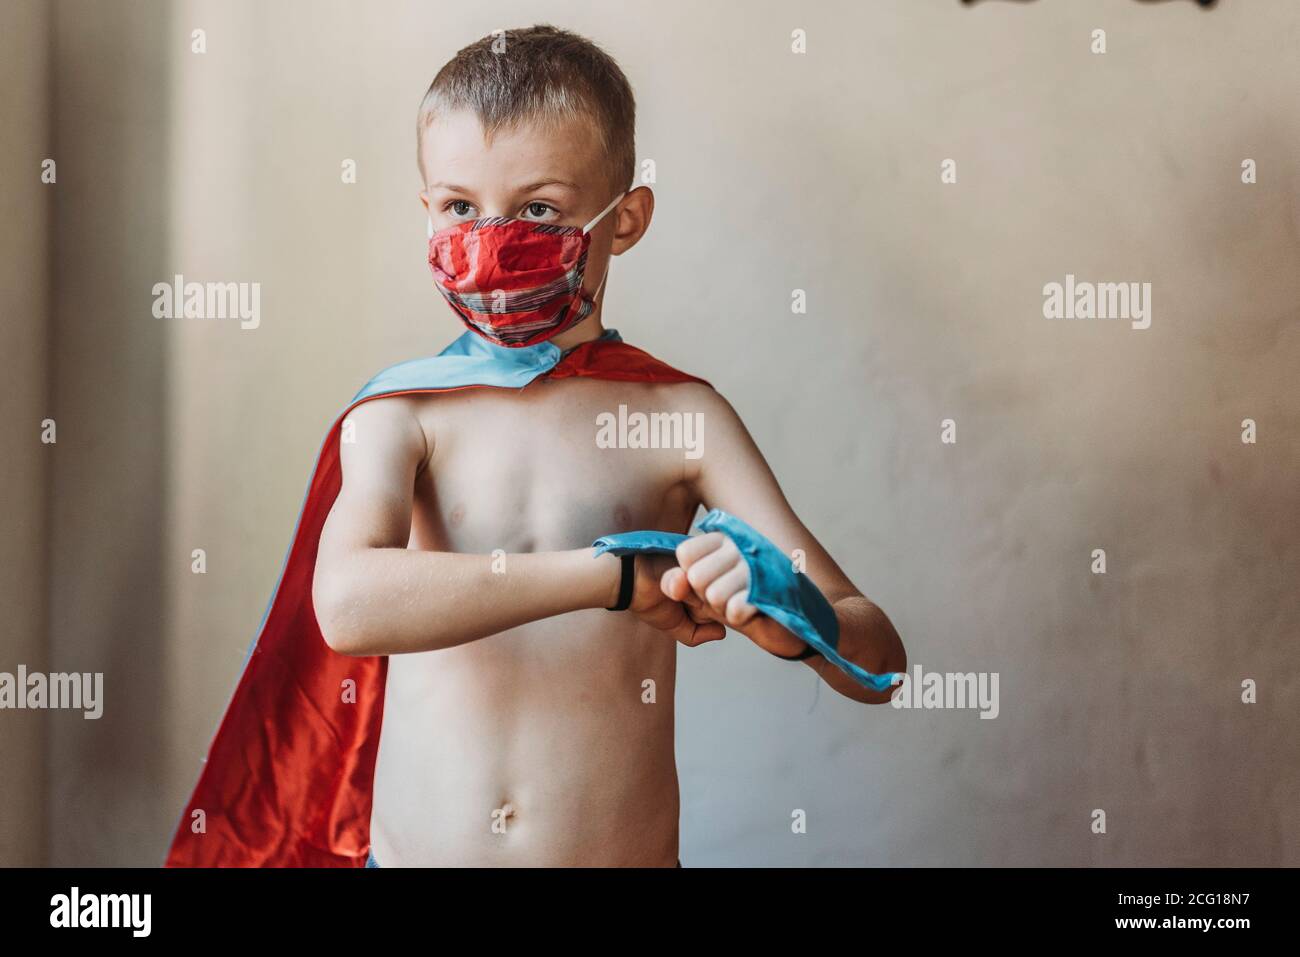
(546, 744)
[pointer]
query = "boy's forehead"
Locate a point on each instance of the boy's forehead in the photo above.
(456, 149)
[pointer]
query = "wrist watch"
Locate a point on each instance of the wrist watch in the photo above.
(808, 652)
(625, 585)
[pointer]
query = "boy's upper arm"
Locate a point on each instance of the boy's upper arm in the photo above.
(385, 448)
(733, 475)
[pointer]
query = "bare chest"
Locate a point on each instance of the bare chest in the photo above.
(527, 470)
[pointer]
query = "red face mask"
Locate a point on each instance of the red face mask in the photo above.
(513, 281)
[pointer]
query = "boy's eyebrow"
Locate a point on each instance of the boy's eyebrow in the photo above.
(452, 187)
(548, 182)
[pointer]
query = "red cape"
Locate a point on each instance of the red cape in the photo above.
(288, 776)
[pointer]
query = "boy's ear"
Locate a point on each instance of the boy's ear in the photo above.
(633, 220)
(424, 198)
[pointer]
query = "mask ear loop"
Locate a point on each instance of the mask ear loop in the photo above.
(600, 285)
(586, 229)
(601, 215)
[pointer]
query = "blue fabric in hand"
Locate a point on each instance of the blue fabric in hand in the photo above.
(776, 589)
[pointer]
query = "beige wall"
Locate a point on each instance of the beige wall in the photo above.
(25, 206)
(108, 372)
(774, 172)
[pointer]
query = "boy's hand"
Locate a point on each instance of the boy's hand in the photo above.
(683, 619)
(712, 579)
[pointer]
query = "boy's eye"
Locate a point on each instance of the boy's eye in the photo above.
(459, 207)
(538, 210)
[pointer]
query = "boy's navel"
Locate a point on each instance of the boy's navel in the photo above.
(502, 817)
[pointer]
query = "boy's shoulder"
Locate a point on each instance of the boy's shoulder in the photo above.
(382, 422)
(688, 396)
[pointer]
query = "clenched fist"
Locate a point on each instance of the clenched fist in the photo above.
(683, 619)
(703, 590)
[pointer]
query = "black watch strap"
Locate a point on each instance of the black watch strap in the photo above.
(625, 586)
(807, 652)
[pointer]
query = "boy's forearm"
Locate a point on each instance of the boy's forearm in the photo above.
(868, 639)
(387, 601)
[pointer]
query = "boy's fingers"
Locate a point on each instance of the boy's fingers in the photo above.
(686, 616)
(696, 607)
(739, 611)
(697, 546)
(700, 633)
(698, 613)
(707, 569)
(674, 584)
(684, 627)
(720, 592)
(688, 621)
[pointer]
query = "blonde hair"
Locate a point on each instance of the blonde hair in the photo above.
(544, 74)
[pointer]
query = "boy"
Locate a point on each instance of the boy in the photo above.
(523, 721)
